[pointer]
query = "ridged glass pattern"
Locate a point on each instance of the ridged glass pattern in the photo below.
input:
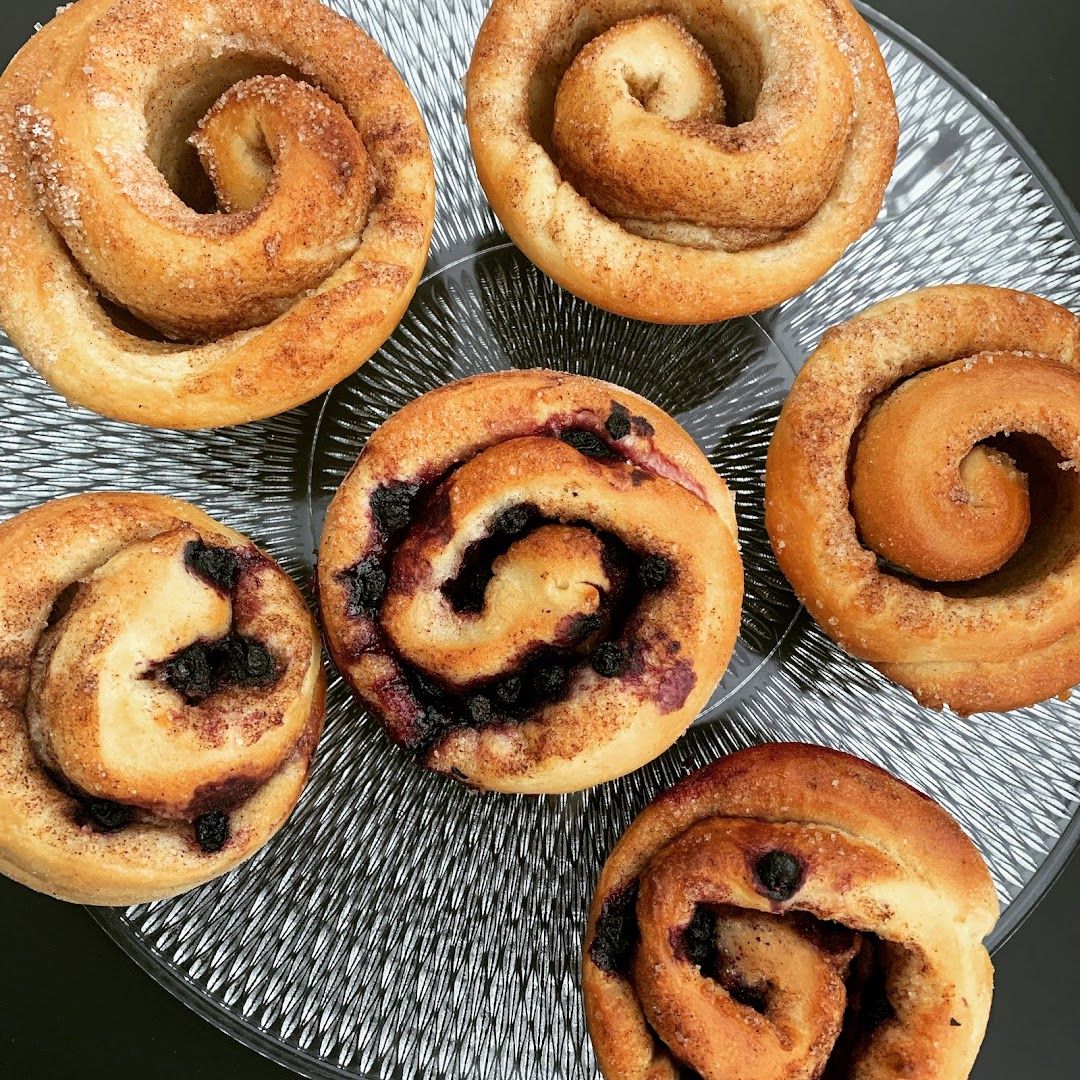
(401, 927)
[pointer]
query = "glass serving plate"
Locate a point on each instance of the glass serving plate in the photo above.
(403, 927)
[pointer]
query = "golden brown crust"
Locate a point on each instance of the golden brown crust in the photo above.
(491, 444)
(269, 304)
(600, 139)
(1002, 630)
(874, 855)
(97, 595)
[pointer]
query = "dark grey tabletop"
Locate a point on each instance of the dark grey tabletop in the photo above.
(72, 1005)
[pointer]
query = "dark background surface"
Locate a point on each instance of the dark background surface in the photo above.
(72, 1005)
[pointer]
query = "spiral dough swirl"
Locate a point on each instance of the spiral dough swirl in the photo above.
(790, 912)
(161, 695)
(923, 494)
(683, 162)
(533, 579)
(307, 160)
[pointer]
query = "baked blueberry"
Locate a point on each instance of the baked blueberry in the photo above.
(434, 721)
(392, 505)
(212, 830)
(480, 710)
(513, 520)
(219, 566)
(612, 948)
(618, 422)
(653, 572)
(585, 442)
(608, 659)
(192, 672)
(779, 874)
(549, 681)
(247, 662)
(508, 692)
(366, 584)
(108, 816)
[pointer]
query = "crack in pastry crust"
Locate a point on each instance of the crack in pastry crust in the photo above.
(684, 163)
(922, 496)
(120, 783)
(533, 579)
(790, 911)
(315, 200)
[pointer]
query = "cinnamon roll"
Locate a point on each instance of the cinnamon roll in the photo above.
(922, 494)
(161, 695)
(681, 162)
(209, 213)
(790, 911)
(532, 579)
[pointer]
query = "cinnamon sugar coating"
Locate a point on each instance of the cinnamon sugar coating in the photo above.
(922, 496)
(309, 194)
(790, 911)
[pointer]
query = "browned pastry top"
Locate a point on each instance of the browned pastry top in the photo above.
(209, 212)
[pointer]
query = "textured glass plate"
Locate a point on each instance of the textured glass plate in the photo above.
(401, 927)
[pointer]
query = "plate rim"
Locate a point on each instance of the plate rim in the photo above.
(307, 1064)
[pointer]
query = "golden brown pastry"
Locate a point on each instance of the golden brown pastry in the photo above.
(792, 912)
(161, 695)
(533, 579)
(686, 161)
(922, 494)
(301, 227)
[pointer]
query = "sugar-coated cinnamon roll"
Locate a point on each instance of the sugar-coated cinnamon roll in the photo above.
(922, 494)
(793, 912)
(209, 212)
(686, 161)
(533, 579)
(161, 695)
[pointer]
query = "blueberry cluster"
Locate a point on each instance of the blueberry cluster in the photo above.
(546, 675)
(218, 566)
(616, 937)
(204, 667)
(508, 700)
(211, 829)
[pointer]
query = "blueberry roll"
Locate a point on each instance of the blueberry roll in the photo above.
(532, 579)
(161, 695)
(790, 911)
